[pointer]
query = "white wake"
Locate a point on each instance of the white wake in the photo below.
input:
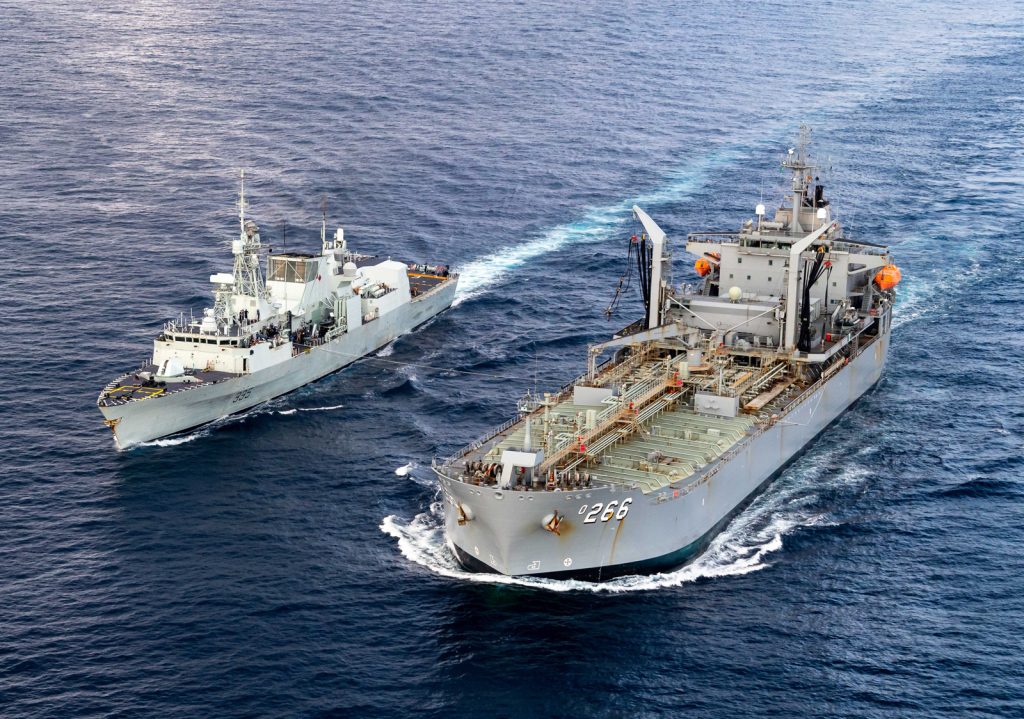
(296, 410)
(208, 429)
(741, 548)
(174, 441)
(597, 224)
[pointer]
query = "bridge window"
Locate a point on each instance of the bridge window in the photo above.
(291, 269)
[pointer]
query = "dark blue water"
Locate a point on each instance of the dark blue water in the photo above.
(277, 565)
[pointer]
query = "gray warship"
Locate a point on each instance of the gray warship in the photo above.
(638, 463)
(309, 316)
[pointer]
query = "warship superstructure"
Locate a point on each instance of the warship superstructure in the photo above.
(310, 315)
(638, 463)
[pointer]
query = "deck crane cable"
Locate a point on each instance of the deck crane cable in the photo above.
(810, 278)
(625, 281)
(643, 264)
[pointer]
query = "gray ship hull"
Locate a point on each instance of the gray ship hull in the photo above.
(144, 420)
(502, 531)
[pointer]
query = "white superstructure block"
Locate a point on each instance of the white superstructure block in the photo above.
(353, 312)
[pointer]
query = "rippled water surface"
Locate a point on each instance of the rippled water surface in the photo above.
(289, 562)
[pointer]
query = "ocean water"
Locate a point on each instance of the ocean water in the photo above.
(289, 561)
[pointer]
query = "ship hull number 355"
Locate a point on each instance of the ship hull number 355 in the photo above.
(605, 512)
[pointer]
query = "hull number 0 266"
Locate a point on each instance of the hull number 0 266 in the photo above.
(605, 512)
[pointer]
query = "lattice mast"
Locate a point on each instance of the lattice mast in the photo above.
(248, 273)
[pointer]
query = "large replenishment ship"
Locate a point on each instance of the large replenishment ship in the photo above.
(637, 464)
(311, 315)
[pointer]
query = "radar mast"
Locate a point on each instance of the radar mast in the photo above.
(247, 272)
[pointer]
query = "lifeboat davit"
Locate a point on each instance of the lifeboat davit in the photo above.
(888, 277)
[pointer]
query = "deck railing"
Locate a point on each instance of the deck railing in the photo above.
(558, 396)
(491, 434)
